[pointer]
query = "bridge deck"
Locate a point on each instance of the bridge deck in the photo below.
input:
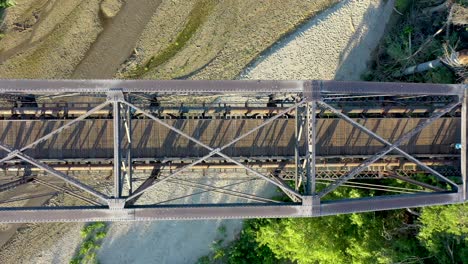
(93, 138)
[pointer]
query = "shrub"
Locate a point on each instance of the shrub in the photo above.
(6, 3)
(101, 234)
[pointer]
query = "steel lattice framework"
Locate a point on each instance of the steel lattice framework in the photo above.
(303, 177)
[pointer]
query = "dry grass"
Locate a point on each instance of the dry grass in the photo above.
(198, 39)
(60, 47)
(460, 15)
(232, 35)
(197, 16)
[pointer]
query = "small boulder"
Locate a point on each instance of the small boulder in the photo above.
(110, 8)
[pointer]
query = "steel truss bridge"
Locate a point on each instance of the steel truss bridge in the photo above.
(114, 145)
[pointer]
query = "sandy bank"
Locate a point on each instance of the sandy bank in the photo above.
(337, 44)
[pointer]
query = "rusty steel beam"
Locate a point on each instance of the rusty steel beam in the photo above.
(229, 110)
(221, 166)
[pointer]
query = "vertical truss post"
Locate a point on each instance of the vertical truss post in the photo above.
(296, 149)
(116, 96)
(129, 148)
(311, 150)
(464, 135)
(312, 95)
(117, 154)
(310, 200)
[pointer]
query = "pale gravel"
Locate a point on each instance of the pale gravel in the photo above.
(337, 44)
(179, 241)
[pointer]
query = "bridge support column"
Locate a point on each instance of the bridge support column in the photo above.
(313, 95)
(311, 138)
(311, 205)
(116, 204)
(464, 143)
(116, 96)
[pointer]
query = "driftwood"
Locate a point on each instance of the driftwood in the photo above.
(437, 8)
(454, 60)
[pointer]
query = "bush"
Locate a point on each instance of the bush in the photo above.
(6, 3)
(101, 235)
(93, 234)
(402, 5)
(89, 229)
(444, 232)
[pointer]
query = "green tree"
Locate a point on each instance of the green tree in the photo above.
(375, 237)
(444, 232)
(379, 237)
(6, 3)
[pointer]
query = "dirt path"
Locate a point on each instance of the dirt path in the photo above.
(113, 47)
(337, 44)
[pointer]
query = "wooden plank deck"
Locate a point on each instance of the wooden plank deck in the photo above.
(93, 138)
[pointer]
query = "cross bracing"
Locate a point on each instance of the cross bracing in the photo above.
(114, 146)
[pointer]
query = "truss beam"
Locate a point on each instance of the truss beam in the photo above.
(464, 144)
(58, 130)
(217, 150)
(382, 140)
(56, 173)
(386, 150)
(240, 87)
(311, 147)
(231, 211)
(304, 97)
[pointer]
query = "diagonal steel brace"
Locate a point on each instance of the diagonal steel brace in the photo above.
(215, 151)
(61, 175)
(386, 150)
(58, 130)
(384, 141)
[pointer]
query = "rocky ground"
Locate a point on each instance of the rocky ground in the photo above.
(110, 38)
(337, 44)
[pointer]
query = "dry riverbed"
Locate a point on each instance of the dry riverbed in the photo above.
(336, 44)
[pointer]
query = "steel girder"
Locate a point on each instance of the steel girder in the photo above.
(310, 203)
(232, 211)
(247, 87)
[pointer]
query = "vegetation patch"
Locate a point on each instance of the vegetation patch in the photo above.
(6, 3)
(421, 33)
(93, 235)
(197, 17)
(245, 249)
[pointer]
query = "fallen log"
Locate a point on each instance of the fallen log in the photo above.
(454, 60)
